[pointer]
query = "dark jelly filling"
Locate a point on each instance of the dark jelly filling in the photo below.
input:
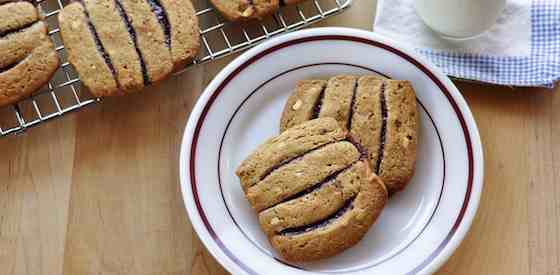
(9, 66)
(318, 104)
(98, 44)
(328, 180)
(381, 151)
(275, 167)
(16, 30)
(348, 205)
(352, 106)
(134, 38)
(163, 20)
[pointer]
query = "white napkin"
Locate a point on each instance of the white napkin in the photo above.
(515, 51)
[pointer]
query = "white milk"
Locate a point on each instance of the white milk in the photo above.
(459, 18)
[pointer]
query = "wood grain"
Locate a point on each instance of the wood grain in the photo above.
(35, 180)
(97, 192)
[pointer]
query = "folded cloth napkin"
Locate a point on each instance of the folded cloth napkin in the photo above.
(521, 49)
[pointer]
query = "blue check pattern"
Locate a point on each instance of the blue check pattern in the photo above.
(540, 69)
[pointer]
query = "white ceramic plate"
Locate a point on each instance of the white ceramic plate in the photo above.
(419, 228)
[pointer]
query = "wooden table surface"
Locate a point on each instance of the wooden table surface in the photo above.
(97, 192)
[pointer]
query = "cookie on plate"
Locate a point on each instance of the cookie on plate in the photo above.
(118, 47)
(28, 59)
(379, 113)
(313, 190)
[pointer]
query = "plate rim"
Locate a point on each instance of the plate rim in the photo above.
(220, 81)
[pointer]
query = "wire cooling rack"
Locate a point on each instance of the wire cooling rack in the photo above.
(219, 38)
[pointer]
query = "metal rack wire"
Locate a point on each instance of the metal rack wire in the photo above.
(63, 93)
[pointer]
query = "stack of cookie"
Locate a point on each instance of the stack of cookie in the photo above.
(27, 56)
(315, 187)
(121, 46)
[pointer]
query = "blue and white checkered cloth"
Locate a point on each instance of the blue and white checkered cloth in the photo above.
(513, 53)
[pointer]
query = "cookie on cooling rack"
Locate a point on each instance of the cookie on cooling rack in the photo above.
(313, 190)
(118, 47)
(28, 59)
(245, 10)
(379, 113)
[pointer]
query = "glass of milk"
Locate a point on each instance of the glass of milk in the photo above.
(459, 19)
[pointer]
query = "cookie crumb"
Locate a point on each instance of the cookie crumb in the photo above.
(297, 105)
(248, 12)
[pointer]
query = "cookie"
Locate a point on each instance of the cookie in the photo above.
(304, 104)
(309, 185)
(28, 59)
(245, 10)
(181, 27)
(150, 39)
(119, 47)
(379, 113)
(338, 99)
(116, 35)
(17, 15)
(86, 53)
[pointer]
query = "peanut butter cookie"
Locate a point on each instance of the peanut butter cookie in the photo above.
(245, 10)
(28, 59)
(119, 47)
(379, 113)
(313, 190)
